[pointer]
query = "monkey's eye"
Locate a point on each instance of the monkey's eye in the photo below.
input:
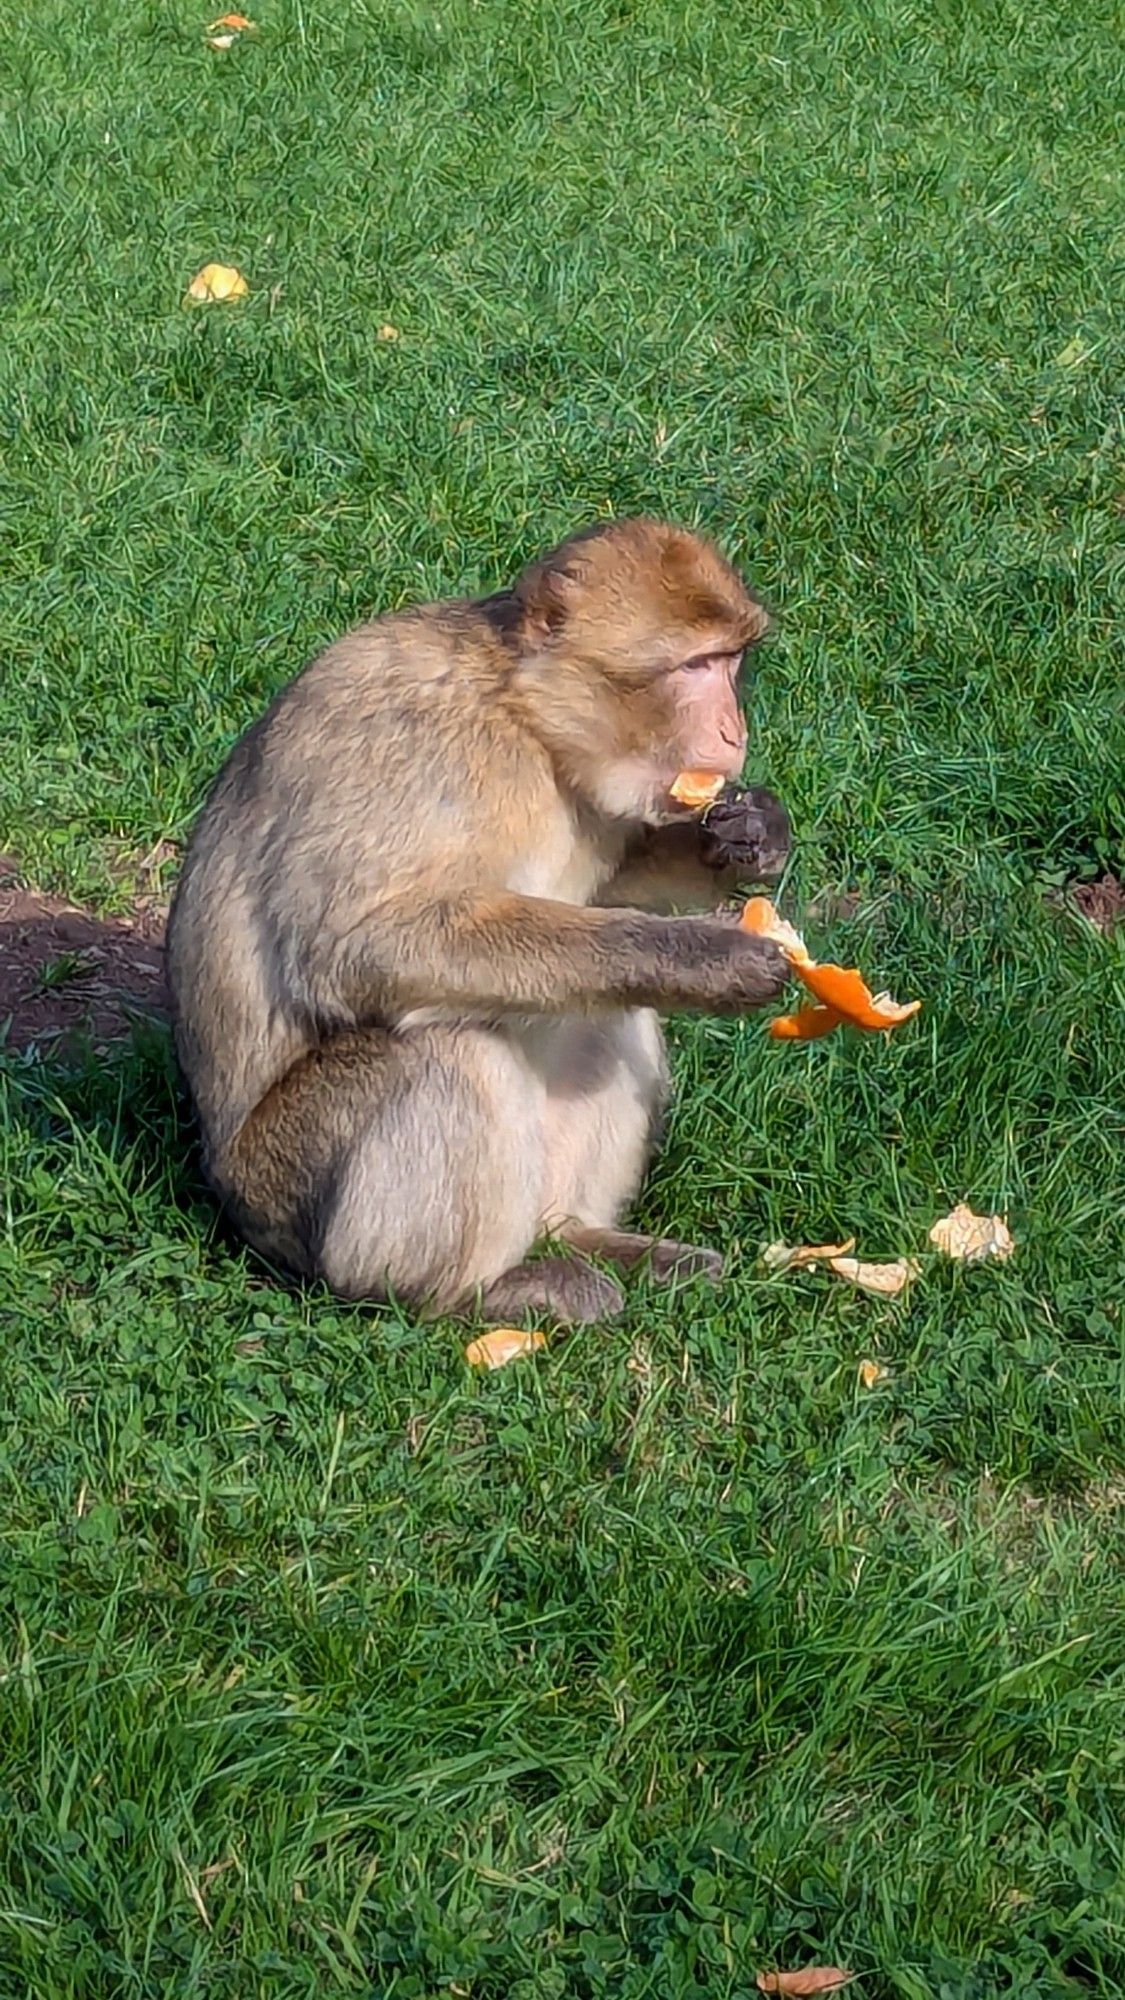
(707, 663)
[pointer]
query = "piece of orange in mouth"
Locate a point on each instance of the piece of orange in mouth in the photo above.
(696, 789)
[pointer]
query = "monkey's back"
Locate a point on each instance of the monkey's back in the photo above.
(371, 775)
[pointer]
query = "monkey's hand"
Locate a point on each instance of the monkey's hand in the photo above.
(705, 964)
(746, 832)
(748, 979)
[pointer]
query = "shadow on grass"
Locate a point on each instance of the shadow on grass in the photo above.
(68, 977)
(89, 1078)
(86, 1052)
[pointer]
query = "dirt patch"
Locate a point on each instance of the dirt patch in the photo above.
(64, 972)
(1102, 902)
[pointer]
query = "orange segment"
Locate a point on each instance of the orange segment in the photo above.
(697, 789)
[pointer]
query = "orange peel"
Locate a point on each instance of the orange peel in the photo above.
(844, 995)
(697, 789)
(807, 1024)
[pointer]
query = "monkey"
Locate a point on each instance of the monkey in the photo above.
(433, 908)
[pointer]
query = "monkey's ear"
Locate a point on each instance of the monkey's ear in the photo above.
(706, 592)
(546, 598)
(757, 624)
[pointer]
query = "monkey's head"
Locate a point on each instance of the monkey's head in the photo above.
(631, 638)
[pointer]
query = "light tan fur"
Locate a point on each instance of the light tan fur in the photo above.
(414, 987)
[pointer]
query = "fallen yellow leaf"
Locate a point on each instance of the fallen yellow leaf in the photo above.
(870, 1373)
(813, 1979)
(238, 22)
(388, 332)
(795, 1256)
(503, 1344)
(888, 1280)
(217, 282)
(1076, 350)
(970, 1237)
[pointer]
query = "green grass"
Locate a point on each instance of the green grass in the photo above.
(675, 1654)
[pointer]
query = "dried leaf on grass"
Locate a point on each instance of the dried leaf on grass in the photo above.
(220, 41)
(503, 1344)
(812, 1979)
(887, 1280)
(970, 1237)
(795, 1256)
(388, 332)
(216, 282)
(870, 1373)
(1102, 903)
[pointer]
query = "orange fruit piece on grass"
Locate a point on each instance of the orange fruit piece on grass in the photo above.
(843, 993)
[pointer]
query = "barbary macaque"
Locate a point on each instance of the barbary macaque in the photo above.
(433, 907)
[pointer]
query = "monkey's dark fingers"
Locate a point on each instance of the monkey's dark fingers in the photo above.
(749, 831)
(772, 972)
(756, 973)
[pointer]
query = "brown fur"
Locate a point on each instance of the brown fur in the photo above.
(414, 999)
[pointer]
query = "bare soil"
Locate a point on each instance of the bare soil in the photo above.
(67, 973)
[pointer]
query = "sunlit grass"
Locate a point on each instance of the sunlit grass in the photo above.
(330, 1668)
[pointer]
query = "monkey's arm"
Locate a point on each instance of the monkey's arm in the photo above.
(525, 954)
(697, 864)
(664, 871)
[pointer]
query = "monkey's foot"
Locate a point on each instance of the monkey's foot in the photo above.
(672, 1260)
(667, 1260)
(569, 1290)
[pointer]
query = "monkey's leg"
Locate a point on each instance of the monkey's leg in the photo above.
(406, 1164)
(667, 1260)
(566, 1287)
(607, 1085)
(412, 1164)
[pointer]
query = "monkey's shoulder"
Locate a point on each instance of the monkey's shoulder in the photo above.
(373, 720)
(424, 683)
(427, 653)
